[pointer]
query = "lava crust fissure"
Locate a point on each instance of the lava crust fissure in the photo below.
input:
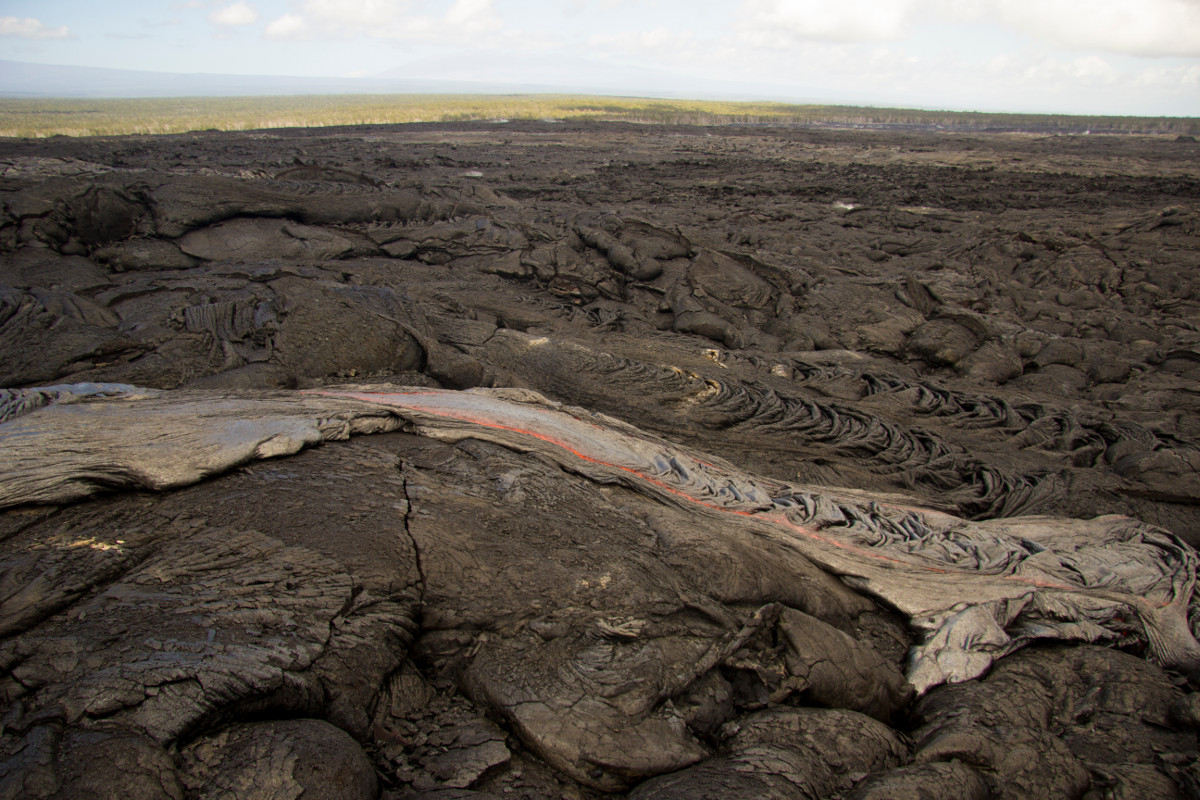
(539, 460)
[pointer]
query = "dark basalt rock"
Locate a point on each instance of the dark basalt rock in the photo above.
(300, 758)
(840, 390)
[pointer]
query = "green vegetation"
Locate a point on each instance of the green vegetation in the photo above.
(48, 117)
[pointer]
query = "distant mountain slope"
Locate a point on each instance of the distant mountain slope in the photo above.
(21, 79)
(475, 73)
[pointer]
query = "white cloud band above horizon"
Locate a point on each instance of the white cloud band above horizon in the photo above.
(1144, 28)
(461, 22)
(235, 14)
(1129, 56)
(30, 28)
(1149, 28)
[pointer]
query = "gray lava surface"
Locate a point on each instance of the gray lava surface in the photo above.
(540, 460)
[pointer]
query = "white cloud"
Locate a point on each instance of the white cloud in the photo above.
(777, 23)
(1069, 55)
(1168, 77)
(1113, 84)
(999, 72)
(30, 28)
(579, 6)
(348, 17)
(289, 27)
(676, 48)
(472, 17)
(1147, 28)
(1057, 73)
(1141, 28)
(234, 15)
(462, 21)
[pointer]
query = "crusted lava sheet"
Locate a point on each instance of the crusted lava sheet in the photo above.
(976, 590)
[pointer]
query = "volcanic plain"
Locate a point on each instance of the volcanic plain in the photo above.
(885, 477)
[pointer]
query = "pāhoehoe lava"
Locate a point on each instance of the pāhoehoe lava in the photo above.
(667, 462)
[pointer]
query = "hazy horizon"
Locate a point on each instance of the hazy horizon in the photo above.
(1050, 56)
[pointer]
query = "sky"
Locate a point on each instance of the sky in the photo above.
(1124, 57)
